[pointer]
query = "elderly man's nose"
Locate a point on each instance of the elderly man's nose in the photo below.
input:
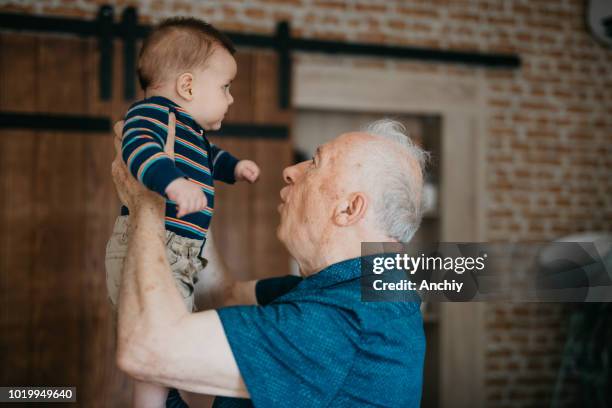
(292, 173)
(289, 174)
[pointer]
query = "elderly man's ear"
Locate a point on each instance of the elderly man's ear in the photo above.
(350, 211)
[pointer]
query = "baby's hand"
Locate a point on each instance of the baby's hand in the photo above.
(188, 196)
(246, 170)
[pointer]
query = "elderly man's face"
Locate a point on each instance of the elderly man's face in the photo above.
(313, 191)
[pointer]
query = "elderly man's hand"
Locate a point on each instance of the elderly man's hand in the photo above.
(132, 193)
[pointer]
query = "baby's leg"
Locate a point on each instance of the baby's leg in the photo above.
(149, 395)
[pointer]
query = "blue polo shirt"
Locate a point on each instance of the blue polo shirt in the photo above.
(320, 345)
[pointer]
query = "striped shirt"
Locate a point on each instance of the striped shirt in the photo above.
(195, 158)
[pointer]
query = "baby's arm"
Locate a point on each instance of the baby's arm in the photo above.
(144, 138)
(229, 169)
(188, 197)
(223, 164)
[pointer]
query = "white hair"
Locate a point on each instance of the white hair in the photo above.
(398, 205)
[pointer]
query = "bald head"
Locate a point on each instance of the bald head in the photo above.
(385, 163)
(367, 148)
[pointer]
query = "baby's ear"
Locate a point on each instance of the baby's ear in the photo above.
(351, 210)
(184, 86)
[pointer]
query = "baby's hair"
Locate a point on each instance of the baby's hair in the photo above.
(177, 44)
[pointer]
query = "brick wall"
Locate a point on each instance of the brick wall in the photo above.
(549, 128)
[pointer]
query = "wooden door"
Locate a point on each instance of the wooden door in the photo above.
(57, 207)
(56, 210)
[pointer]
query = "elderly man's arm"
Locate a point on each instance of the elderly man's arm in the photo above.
(216, 286)
(158, 340)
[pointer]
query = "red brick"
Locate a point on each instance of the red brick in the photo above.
(501, 21)
(331, 35)
(418, 13)
(18, 8)
(64, 11)
(283, 2)
(524, 37)
(522, 9)
(537, 106)
(182, 7)
(579, 109)
(581, 135)
(465, 16)
(364, 7)
(542, 134)
(331, 4)
(396, 24)
(228, 11)
(499, 103)
(419, 27)
(254, 13)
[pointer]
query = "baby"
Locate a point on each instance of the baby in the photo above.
(185, 67)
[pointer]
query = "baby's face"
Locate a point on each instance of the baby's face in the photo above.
(211, 89)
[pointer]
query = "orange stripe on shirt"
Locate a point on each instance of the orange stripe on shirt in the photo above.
(143, 166)
(179, 221)
(192, 145)
(138, 150)
(180, 156)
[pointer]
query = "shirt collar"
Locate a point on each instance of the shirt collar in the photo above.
(339, 272)
(181, 114)
(343, 271)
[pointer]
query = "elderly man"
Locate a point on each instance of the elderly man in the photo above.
(311, 341)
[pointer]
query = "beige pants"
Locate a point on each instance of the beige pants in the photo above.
(182, 254)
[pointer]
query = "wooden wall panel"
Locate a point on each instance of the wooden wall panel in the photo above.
(17, 232)
(231, 220)
(106, 386)
(246, 216)
(271, 257)
(58, 196)
(57, 207)
(265, 91)
(241, 111)
(230, 223)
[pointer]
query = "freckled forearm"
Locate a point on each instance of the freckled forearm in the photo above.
(159, 342)
(148, 299)
(200, 359)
